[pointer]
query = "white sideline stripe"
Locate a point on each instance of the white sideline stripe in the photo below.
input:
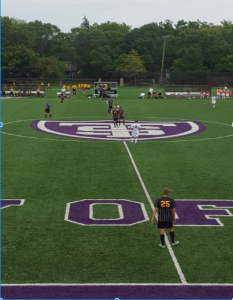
(116, 284)
(177, 266)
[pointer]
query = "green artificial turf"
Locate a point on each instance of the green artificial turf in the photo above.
(40, 246)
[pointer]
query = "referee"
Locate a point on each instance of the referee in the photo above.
(47, 110)
(166, 216)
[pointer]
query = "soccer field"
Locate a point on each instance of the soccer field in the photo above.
(105, 246)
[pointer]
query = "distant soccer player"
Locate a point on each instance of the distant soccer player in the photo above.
(160, 94)
(67, 94)
(63, 90)
(135, 132)
(231, 94)
(121, 116)
(207, 94)
(105, 95)
(201, 94)
(154, 95)
(213, 100)
(218, 93)
(110, 104)
(12, 92)
(3, 93)
(150, 91)
(165, 207)
(115, 117)
(148, 95)
(102, 95)
(223, 94)
(38, 92)
(47, 110)
(117, 107)
(74, 91)
(48, 86)
(62, 98)
(142, 96)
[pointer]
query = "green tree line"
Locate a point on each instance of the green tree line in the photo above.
(42, 50)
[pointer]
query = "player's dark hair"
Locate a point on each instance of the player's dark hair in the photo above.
(166, 191)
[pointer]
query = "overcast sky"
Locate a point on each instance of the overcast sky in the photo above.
(67, 14)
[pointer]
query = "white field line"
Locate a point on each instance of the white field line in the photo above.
(177, 266)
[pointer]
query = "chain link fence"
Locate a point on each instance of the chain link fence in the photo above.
(142, 78)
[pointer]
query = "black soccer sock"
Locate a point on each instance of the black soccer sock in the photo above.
(162, 239)
(50, 115)
(172, 234)
(124, 122)
(45, 116)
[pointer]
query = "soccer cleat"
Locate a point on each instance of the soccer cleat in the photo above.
(162, 246)
(176, 243)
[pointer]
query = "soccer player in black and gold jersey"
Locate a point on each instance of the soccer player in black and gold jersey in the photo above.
(62, 98)
(121, 116)
(110, 104)
(115, 117)
(165, 207)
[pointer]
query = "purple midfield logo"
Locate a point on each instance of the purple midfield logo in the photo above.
(104, 130)
(202, 212)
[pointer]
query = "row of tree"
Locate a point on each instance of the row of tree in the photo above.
(37, 49)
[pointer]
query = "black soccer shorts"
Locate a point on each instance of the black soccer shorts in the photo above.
(163, 225)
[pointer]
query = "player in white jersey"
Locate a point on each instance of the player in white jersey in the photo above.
(151, 91)
(135, 131)
(227, 94)
(213, 100)
(117, 107)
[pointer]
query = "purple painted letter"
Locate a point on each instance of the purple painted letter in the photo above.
(202, 212)
(130, 212)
